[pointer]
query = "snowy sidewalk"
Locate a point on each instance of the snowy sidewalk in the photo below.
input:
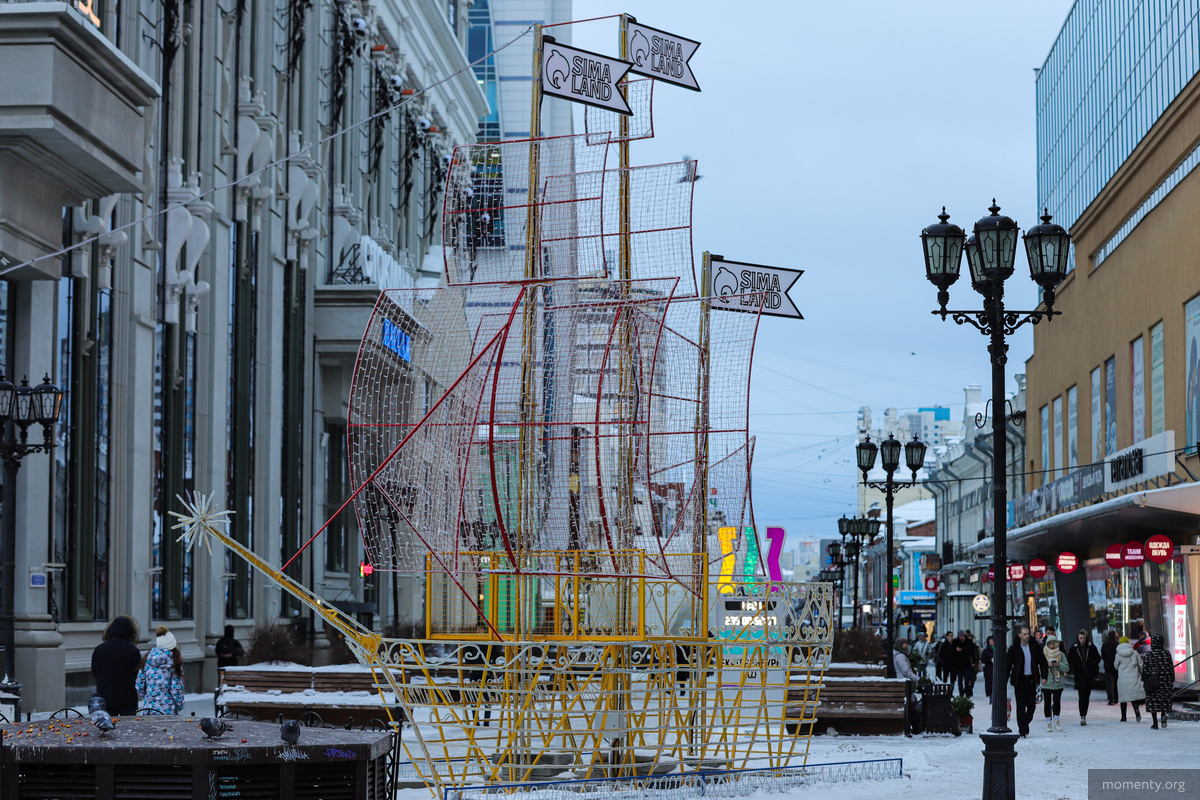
(1050, 766)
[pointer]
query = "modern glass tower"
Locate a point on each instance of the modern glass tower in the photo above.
(1114, 69)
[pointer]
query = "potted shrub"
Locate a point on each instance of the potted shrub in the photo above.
(962, 707)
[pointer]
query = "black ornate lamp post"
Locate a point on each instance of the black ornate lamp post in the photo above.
(20, 407)
(914, 458)
(844, 530)
(837, 568)
(862, 530)
(991, 252)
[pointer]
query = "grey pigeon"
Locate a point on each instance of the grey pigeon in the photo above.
(289, 731)
(214, 727)
(98, 708)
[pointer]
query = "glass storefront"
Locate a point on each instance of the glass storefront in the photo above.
(1114, 599)
(1178, 619)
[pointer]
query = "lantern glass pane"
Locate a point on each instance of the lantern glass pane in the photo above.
(890, 451)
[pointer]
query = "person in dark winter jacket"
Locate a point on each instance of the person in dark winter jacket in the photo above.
(946, 664)
(987, 658)
(160, 680)
(1027, 669)
(229, 649)
(1084, 660)
(115, 665)
(1158, 663)
(1108, 652)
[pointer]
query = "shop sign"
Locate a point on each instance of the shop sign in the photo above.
(1113, 556)
(1067, 562)
(931, 583)
(1149, 459)
(1132, 554)
(1016, 572)
(909, 597)
(1181, 628)
(1038, 568)
(1083, 485)
(1159, 549)
(981, 604)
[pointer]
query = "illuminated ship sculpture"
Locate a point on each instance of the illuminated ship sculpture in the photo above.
(556, 440)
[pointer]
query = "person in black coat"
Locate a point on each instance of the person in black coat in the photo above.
(947, 659)
(1084, 661)
(229, 649)
(1108, 652)
(987, 659)
(115, 664)
(1027, 669)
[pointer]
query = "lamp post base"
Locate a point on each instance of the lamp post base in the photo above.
(999, 768)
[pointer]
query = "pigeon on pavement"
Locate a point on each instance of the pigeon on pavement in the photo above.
(289, 731)
(214, 727)
(98, 708)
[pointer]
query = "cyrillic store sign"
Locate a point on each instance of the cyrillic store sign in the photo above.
(1147, 459)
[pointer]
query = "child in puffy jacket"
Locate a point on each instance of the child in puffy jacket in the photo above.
(160, 679)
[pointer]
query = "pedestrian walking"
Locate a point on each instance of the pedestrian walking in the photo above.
(1129, 678)
(1158, 678)
(1056, 681)
(973, 672)
(962, 663)
(900, 661)
(160, 679)
(1108, 652)
(988, 658)
(1084, 660)
(1026, 671)
(945, 659)
(115, 664)
(921, 653)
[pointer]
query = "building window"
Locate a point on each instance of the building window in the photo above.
(79, 593)
(1058, 437)
(337, 535)
(240, 425)
(1137, 360)
(452, 15)
(1072, 428)
(1110, 406)
(1191, 337)
(1097, 424)
(1158, 412)
(1045, 444)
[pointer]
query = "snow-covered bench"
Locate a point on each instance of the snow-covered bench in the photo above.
(339, 695)
(852, 698)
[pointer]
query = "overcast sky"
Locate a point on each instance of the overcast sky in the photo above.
(828, 135)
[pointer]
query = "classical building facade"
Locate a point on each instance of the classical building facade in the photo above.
(205, 331)
(1114, 408)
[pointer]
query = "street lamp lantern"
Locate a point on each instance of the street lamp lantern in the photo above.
(7, 391)
(866, 455)
(844, 526)
(979, 281)
(1048, 247)
(996, 240)
(942, 243)
(47, 400)
(889, 449)
(22, 407)
(834, 550)
(914, 455)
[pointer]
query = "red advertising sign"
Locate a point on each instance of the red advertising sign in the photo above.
(1016, 572)
(1133, 555)
(991, 574)
(1159, 549)
(1038, 568)
(1113, 556)
(1067, 562)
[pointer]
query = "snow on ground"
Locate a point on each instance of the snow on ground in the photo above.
(1049, 766)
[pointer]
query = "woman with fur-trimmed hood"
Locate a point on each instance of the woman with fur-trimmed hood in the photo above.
(115, 664)
(1158, 663)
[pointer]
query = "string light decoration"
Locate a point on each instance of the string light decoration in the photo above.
(555, 443)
